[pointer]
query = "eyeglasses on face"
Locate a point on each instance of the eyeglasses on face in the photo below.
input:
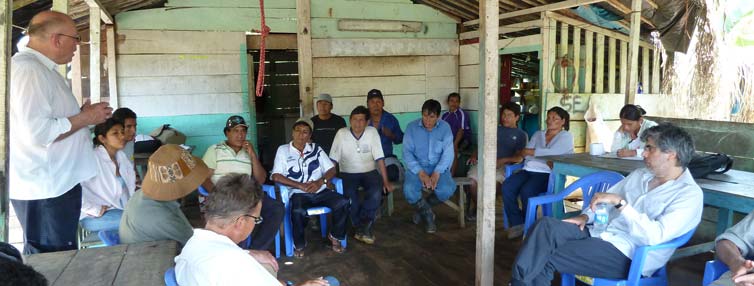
(257, 219)
(77, 38)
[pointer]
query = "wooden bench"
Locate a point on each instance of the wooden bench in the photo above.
(460, 206)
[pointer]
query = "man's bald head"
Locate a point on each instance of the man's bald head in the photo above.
(49, 22)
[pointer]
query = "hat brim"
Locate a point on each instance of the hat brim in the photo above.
(160, 191)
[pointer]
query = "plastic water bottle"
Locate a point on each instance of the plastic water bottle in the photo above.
(601, 217)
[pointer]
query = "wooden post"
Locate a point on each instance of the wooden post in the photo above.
(5, 39)
(611, 50)
(633, 51)
(94, 54)
(576, 57)
(563, 53)
(656, 58)
(112, 67)
(599, 75)
(62, 7)
(304, 42)
(645, 70)
(489, 71)
(589, 46)
(623, 66)
(76, 80)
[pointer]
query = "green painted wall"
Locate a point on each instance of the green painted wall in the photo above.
(280, 16)
(201, 130)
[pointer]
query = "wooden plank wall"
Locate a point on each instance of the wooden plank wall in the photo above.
(351, 56)
(601, 73)
(163, 75)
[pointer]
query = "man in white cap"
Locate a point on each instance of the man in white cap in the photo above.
(326, 124)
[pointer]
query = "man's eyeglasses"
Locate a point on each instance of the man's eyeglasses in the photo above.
(257, 219)
(77, 38)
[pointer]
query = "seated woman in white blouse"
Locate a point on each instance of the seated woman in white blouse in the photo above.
(105, 195)
(532, 180)
(627, 141)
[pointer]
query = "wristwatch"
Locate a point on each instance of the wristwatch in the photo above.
(621, 204)
(324, 180)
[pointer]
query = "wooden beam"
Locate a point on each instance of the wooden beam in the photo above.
(304, 42)
(653, 4)
(106, 17)
(76, 80)
(656, 58)
(489, 72)
(589, 46)
(62, 7)
(633, 52)
(623, 67)
(112, 81)
(611, 50)
(512, 28)
(599, 75)
(645, 85)
(543, 8)
(94, 55)
(576, 57)
(626, 10)
(5, 40)
(18, 4)
(563, 52)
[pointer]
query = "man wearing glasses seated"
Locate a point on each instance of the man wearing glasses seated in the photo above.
(651, 206)
(212, 256)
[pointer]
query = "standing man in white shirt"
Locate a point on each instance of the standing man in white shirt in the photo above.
(50, 145)
(356, 150)
(653, 205)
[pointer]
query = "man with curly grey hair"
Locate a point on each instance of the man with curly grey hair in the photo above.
(653, 205)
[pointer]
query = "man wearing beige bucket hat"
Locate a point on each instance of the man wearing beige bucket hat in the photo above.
(153, 213)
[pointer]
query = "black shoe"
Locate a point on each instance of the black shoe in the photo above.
(429, 217)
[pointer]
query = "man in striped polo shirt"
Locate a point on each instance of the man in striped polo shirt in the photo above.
(236, 155)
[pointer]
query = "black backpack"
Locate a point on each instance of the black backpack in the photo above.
(702, 165)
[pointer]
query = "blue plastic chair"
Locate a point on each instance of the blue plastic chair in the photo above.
(285, 195)
(270, 191)
(589, 185)
(713, 269)
(170, 279)
(109, 237)
(659, 278)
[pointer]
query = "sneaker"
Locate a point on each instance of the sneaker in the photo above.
(516, 231)
(365, 234)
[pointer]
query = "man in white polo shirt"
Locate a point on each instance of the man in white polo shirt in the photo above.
(356, 149)
(236, 155)
(50, 145)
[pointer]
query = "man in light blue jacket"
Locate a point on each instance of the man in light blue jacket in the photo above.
(428, 153)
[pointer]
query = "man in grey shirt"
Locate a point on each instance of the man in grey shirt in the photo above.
(735, 248)
(153, 214)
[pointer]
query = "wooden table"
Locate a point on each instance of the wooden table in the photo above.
(729, 192)
(124, 264)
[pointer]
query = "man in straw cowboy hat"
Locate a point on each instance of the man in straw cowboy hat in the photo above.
(153, 214)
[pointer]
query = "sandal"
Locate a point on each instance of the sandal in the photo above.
(298, 253)
(335, 243)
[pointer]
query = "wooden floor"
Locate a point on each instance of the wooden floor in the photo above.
(405, 255)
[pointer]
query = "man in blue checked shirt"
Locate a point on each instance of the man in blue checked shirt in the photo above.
(428, 152)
